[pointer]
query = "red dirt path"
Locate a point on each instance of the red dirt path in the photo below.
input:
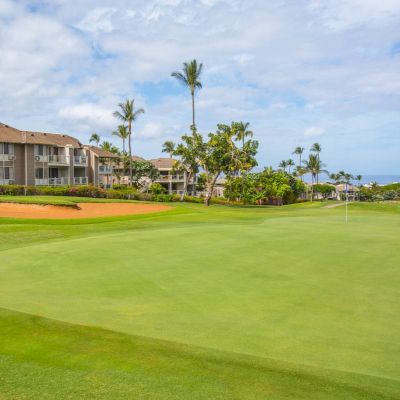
(85, 210)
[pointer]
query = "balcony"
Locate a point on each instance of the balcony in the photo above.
(80, 180)
(59, 160)
(7, 181)
(81, 160)
(105, 169)
(171, 178)
(7, 157)
(51, 182)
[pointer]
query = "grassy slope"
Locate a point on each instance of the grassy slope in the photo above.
(46, 359)
(248, 283)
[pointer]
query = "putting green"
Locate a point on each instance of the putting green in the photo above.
(294, 284)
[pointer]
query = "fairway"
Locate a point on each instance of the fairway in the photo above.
(221, 302)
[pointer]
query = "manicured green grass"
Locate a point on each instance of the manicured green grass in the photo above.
(220, 302)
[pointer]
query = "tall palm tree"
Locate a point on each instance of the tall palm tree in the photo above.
(95, 138)
(190, 77)
(168, 147)
(290, 163)
(122, 133)
(358, 178)
(128, 115)
(241, 133)
(316, 148)
(314, 166)
(283, 165)
(108, 146)
(299, 152)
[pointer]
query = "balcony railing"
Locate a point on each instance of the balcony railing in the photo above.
(170, 178)
(105, 169)
(58, 181)
(58, 159)
(80, 180)
(51, 181)
(7, 181)
(80, 160)
(7, 157)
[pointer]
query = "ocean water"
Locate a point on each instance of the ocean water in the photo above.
(380, 179)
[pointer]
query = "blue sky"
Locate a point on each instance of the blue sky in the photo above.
(298, 71)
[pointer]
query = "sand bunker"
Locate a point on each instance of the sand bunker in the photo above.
(84, 210)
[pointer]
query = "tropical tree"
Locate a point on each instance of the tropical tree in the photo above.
(299, 152)
(122, 133)
(108, 146)
(358, 178)
(188, 152)
(314, 166)
(220, 155)
(290, 163)
(168, 147)
(190, 77)
(128, 115)
(95, 138)
(242, 132)
(283, 165)
(316, 148)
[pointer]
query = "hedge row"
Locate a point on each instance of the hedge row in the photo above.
(121, 192)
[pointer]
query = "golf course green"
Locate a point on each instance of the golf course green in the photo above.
(202, 302)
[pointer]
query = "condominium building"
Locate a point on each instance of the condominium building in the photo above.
(37, 158)
(49, 159)
(173, 179)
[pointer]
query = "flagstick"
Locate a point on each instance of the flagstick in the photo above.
(347, 199)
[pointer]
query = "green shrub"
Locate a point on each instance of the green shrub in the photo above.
(163, 197)
(157, 189)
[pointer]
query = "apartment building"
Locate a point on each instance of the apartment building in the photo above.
(49, 159)
(172, 179)
(38, 158)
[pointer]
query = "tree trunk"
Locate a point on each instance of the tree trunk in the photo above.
(210, 188)
(193, 116)
(130, 153)
(188, 177)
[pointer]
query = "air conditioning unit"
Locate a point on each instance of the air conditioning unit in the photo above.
(37, 158)
(84, 159)
(11, 158)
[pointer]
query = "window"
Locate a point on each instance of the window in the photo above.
(39, 173)
(8, 148)
(6, 173)
(39, 150)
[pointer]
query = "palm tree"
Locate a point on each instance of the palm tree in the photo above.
(168, 147)
(122, 133)
(242, 131)
(299, 151)
(290, 163)
(95, 138)
(108, 146)
(128, 115)
(190, 77)
(283, 165)
(359, 179)
(316, 148)
(314, 166)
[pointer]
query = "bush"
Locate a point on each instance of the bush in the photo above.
(391, 195)
(157, 189)
(163, 197)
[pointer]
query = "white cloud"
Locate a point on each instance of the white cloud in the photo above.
(88, 117)
(98, 20)
(314, 131)
(151, 130)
